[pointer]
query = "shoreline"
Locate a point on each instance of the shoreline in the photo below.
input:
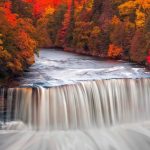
(104, 56)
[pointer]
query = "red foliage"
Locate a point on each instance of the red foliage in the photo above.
(40, 5)
(148, 59)
(12, 18)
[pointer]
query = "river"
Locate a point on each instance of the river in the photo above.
(67, 101)
(55, 67)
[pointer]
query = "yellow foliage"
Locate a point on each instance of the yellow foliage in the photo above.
(140, 8)
(114, 51)
(49, 11)
(127, 7)
(140, 19)
(89, 4)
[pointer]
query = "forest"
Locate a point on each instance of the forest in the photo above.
(117, 29)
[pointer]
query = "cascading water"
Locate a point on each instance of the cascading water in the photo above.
(72, 102)
(90, 104)
(92, 115)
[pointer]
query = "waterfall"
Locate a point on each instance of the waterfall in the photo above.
(86, 105)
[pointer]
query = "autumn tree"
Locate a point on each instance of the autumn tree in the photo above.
(18, 41)
(69, 36)
(55, 23)
(63, 31)
(81, 35)
(22, 8)
(138, 12)
(97, 9)
(138, 50)
(114, 51)
(43, 36)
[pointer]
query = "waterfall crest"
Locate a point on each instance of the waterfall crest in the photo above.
(90, 104)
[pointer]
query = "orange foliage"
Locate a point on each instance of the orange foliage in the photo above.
(114, 51)
(15, 66)
(115, 20)
(4, 55)
(24, 42)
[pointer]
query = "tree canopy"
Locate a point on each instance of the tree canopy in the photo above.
(107, 28)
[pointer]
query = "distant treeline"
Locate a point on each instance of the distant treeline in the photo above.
(105, 28)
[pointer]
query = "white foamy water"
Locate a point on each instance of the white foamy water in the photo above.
(54, 68)
(63, 112)
(89, 104)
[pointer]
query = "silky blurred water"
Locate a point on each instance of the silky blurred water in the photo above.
(70, 102)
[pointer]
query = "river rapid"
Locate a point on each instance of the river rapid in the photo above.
(55, 67)
(67, 101)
